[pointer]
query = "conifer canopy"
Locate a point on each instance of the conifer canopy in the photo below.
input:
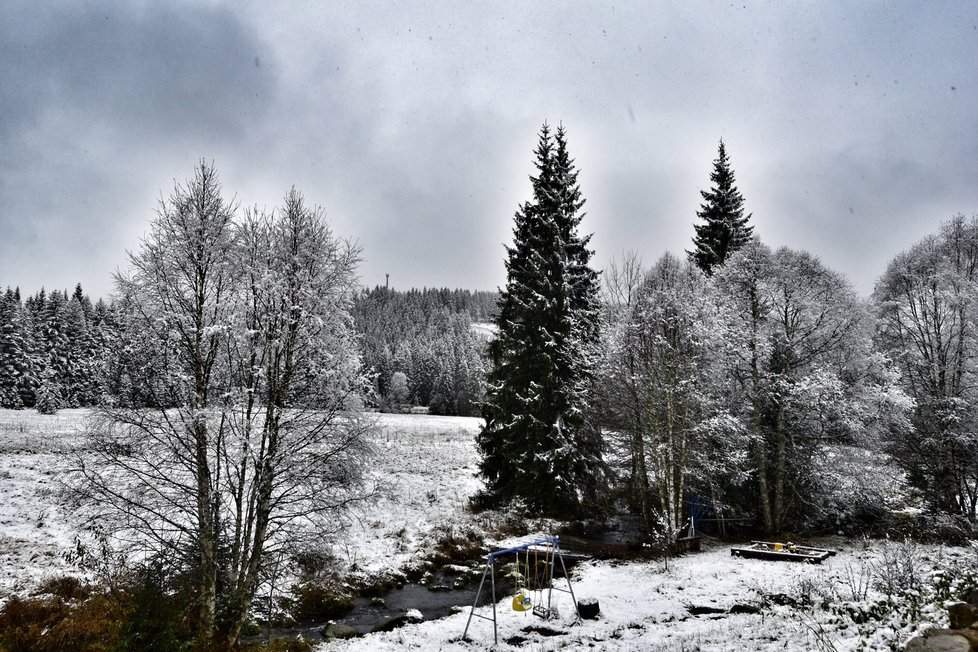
(539, 443)
(724, 229)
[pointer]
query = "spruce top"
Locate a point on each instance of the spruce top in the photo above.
(725, 227)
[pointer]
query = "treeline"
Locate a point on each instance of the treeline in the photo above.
(61, 350)
(422, 348)
(751, 388)
(770, 388)
(54, 349)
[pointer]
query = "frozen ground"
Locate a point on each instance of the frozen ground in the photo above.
(427, 468)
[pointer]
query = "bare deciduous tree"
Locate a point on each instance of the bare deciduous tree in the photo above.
(249, 442)
(664, 350)
(926, 303)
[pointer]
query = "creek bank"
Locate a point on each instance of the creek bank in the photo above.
(448, 583)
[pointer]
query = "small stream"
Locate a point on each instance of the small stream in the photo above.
(366, 613)
(441, 597)
(431, 604)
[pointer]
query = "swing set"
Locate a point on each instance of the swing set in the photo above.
(534, 576)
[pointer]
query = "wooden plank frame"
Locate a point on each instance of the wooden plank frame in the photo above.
(781, 552)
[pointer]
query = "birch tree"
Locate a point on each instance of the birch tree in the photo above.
(662, 375)
(249, 364)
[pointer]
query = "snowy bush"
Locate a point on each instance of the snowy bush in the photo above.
(856, 491)
(957, 578)
(898, 569)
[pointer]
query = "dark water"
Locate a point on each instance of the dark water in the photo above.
(431, 604)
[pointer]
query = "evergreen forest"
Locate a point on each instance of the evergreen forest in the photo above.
(426, 349)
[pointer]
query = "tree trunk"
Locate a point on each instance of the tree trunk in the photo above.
(779, 470)
(760, 452)
(762, 484)
(642, 480)
(207, 539)
(760, 441)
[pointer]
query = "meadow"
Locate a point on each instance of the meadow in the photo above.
(874, 594)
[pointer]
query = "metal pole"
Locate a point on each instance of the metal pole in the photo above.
(492, 574)
(476, 602)
(550, 585)
(569, 585)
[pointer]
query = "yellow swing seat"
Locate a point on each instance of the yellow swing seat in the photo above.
(522, 601)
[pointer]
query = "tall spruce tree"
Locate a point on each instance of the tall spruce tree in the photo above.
(538, 442)
(725, 229)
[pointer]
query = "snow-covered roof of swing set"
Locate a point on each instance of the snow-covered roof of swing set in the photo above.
(542, 545)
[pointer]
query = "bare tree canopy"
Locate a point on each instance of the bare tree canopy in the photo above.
(243, 439)
(926, 306)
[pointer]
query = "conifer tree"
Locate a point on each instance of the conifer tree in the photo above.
(538, 442)
(16, 364)
(725, 229)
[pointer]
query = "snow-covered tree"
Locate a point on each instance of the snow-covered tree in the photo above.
(18, 369)
(48, 397)
(84, 356)
(458, 385)
(245, 352)
(927, 309)
(421, 334)
(661, 382)
(539, 442)
(398, 390)
(724, 229)
(797, 325)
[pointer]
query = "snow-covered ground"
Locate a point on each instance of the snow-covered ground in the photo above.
(427, 468)
(643, 607)
(35, 533)
(648, 606)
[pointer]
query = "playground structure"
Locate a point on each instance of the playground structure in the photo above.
(522, 600)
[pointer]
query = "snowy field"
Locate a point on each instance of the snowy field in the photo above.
(425, 471)
(35, 534)
(426, 467)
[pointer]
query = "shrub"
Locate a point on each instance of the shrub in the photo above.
(154, 616)
(320, 592)
(52, 624)
(140, 614)
(280, 645)
(898, 569)
(313, 601)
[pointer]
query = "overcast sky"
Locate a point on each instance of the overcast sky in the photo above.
(852, 126)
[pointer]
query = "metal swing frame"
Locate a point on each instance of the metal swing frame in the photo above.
(554, 545)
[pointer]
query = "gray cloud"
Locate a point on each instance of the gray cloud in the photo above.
(851, 127)
(189, 70)
(96, 100)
